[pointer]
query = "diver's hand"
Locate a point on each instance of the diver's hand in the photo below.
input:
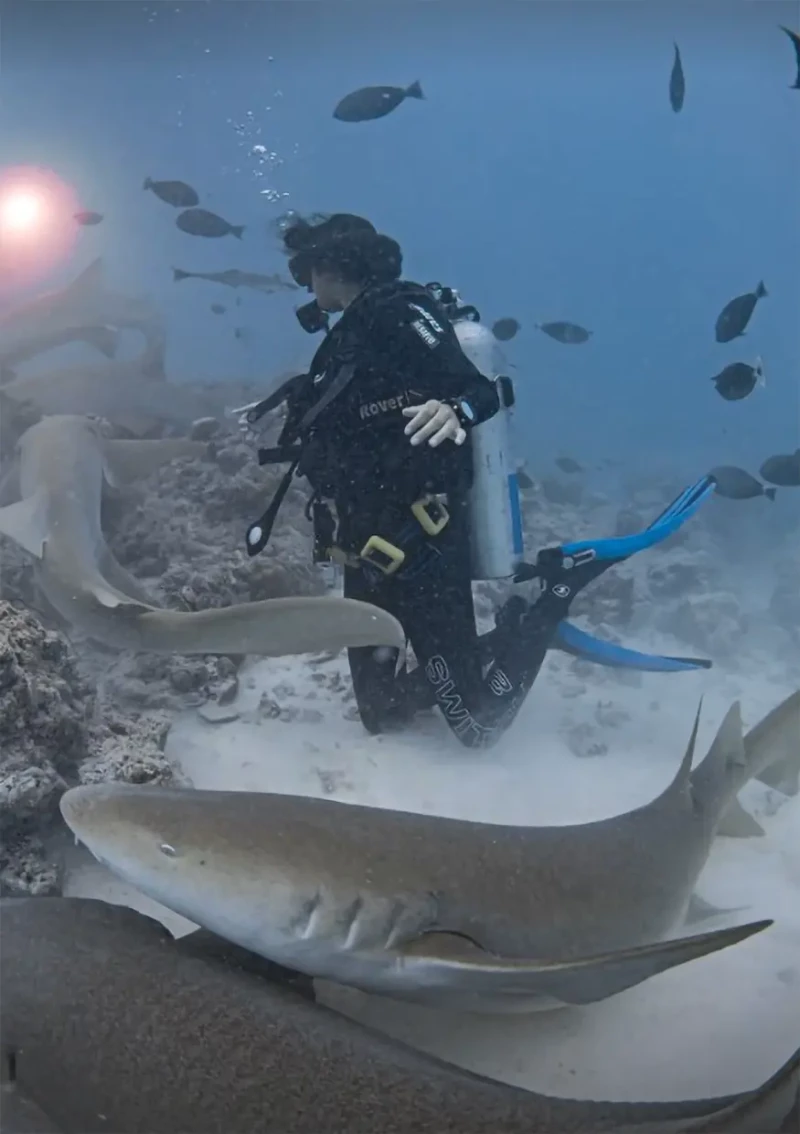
(433, 422)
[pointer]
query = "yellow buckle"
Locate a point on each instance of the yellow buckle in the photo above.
(381, 554)
(431, 514)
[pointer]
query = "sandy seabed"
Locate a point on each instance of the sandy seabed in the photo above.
(717, 1025)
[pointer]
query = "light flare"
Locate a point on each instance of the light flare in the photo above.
(37, 227)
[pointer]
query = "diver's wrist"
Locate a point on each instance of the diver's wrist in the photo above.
(464, 411)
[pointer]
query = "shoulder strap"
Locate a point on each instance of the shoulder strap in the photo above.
(342, 379)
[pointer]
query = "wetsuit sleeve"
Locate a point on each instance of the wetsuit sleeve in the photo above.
(417, 338)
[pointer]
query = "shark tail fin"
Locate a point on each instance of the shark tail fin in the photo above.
(773, 747)
(179, 274)
(26, 522)
(90, 280)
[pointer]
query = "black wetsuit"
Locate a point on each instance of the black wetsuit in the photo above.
(399, 349)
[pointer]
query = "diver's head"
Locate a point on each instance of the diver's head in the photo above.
(338, 256)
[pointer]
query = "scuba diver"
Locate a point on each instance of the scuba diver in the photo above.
(403, 440)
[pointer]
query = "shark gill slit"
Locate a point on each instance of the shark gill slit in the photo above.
(350, 918)
(303, 922)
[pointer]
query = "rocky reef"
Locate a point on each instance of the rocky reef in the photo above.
(54, 735)
(74, 711)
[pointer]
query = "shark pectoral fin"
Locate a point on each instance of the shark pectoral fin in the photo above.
(107, 596)
(26, 522)
(122, 580)
(91, 279)
(444, 960)
(104, 339)
(138, 424)
(701, 910)
(736, 823)
(129, 460)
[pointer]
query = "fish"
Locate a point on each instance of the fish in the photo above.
(677, 83)
(130, 393)
(505, 329)
(232, 277)
(783, 469)
(570, 333)
(524, 480)
(175, 193)
(795, 38)
(86, 217)
(568, 465)
(734, 316)
(474, 917)
(738, 379)
(229, 1046)
(775, 743)
(738, 484)
(200, 222)
(64, 462)
(84, 310)
(369, 103)
(218, 309)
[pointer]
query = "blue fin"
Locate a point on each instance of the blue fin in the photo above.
(672, 518)
(577, 642)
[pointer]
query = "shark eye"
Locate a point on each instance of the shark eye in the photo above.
(169, 851)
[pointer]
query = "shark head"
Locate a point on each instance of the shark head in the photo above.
(205, 855)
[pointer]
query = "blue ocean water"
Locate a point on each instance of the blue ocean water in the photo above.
(545, 176)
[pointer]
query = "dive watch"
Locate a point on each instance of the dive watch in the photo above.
(464, 412)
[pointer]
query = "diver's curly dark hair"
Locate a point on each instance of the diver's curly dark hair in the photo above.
(344, 244)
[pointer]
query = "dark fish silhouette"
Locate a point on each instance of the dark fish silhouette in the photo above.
(374, 102)
(87, 218)
(738, 380)
(232, 277)
(783, 469)
(677, 83)
(568, 465)
(734, 316)
(737, 484)
(795, 38)
(218, 309)
(564, 332)
(200, 222)
(523, 480)
(175, 193)
(505, 329)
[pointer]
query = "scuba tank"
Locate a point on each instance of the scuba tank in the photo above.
(494, 508)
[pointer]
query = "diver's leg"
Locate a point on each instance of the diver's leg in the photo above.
(378, 696)
(479, 714)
